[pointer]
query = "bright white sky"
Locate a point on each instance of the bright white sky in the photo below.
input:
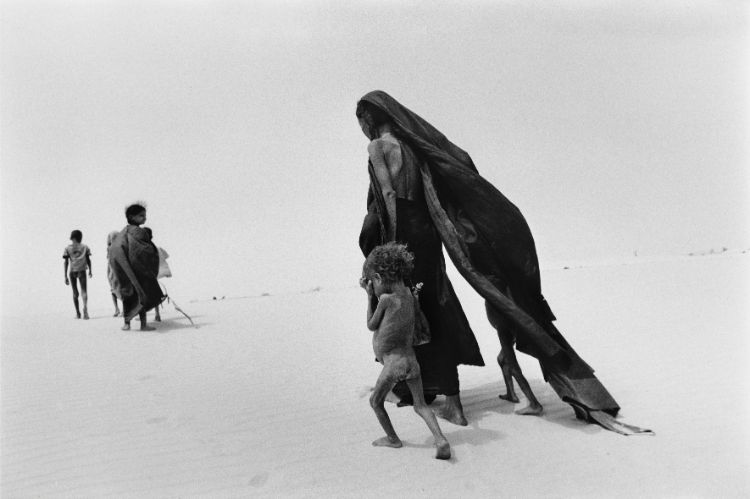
(615, 127)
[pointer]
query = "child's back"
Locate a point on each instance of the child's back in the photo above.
(77, 253)
(396, 330)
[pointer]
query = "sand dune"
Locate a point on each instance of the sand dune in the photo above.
(267, 397)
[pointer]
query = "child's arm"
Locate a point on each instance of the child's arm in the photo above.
(88, 262)
(375, 317)
(65, 270)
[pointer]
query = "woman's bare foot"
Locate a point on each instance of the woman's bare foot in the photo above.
(453, 411)
(531, 410)
(443, 450)
(394, 442)
(117, 313)
(509, 397)
(85, 314)
(126, 327)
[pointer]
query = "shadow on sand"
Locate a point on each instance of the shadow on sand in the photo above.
(483, 400)
(169, 325)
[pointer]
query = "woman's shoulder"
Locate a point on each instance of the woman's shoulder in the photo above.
(384, 144)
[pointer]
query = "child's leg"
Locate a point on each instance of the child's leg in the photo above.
(534, 408)
(144, 326)
(420, 407)
(377, 402)
(74, 285)
(117, 308)
(84, 295)
(509, 365)
(506, 368)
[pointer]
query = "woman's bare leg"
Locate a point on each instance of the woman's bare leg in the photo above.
(420, 407)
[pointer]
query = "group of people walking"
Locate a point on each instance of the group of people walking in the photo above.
(425, 194)
(134, 265)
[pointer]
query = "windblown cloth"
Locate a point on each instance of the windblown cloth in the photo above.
(134, 260)
(491, 245)
(114, 285)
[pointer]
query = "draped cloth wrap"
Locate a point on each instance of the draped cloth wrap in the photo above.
(491, 245)
(134, 261)
(114, 285)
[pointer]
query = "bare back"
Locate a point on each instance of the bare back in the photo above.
(388, 153)
(396, 328)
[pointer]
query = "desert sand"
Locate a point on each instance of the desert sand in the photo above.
(267, 396)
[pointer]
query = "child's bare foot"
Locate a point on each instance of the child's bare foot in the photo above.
(453, 411)
(117, 313)
(126, 327)
(443, 450)
(146, 327)
(78, 315)
(531, 410)
(86, 315)
(509, 398)
(394, 442)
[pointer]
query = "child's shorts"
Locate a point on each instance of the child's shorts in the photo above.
(78, 274)
(399, 366)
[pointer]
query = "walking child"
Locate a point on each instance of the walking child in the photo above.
(392, 321)
(135, 263)
(77, 257)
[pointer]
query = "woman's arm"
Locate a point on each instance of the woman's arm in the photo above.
(382, 173)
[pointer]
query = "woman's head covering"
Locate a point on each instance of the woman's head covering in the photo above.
(417, 131)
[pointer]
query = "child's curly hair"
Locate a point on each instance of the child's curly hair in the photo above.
(392, 261)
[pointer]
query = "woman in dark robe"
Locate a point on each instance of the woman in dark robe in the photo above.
(397, 210)
(424, 191)
(134, 261)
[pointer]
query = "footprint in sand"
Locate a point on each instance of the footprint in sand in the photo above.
(258, 480)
